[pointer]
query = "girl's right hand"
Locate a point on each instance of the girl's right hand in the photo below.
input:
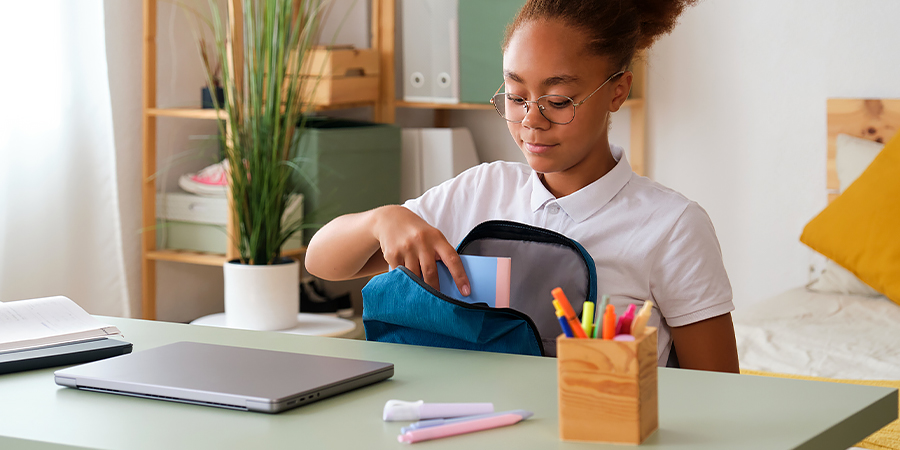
(407, 240)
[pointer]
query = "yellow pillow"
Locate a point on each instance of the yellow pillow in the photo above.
(860, 230)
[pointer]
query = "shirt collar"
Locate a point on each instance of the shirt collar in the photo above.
(539, 193)
(588, 200)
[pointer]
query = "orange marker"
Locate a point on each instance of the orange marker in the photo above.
(609, 322)
(569, 312)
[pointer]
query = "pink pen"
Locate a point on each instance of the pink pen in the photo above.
(470, 426)
(624, 325)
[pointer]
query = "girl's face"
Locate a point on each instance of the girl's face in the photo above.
(548, 57)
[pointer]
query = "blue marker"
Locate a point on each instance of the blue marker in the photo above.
(564, 323)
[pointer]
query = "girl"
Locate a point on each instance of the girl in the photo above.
(564, 72)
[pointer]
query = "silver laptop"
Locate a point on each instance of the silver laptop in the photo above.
(226, 377)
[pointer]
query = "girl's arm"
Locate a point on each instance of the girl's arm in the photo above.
(707, 345)
(367, 243)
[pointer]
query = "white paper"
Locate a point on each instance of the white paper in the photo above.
(47, 321)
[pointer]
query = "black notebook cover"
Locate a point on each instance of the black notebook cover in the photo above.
(62, 355)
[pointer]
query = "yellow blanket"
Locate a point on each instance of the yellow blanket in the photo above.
(887, 438)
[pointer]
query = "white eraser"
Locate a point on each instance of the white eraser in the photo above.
(401, 410)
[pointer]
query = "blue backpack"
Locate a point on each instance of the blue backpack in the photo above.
(399, 307)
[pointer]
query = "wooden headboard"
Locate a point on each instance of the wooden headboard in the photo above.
(874, 119)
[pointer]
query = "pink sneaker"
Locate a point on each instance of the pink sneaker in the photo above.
(212, 181)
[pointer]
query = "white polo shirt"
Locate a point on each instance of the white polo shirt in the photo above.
(648, 241)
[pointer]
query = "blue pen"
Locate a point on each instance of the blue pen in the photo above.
(437, 422)
(564, 323)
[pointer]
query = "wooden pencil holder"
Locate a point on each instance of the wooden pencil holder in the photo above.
(607, 389)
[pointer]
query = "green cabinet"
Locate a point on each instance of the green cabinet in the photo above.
(346, 166)
(481, 28)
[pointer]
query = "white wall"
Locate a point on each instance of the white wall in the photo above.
(736, 118)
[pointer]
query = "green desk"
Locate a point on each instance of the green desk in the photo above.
(698, 410)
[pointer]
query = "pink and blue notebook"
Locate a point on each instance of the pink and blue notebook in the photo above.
(489, 278)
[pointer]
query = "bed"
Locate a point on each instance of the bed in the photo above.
(831, 335)
(836, 327)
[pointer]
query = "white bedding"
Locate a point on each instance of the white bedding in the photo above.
(826, 335)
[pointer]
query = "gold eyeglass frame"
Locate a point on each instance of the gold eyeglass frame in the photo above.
(541, 108)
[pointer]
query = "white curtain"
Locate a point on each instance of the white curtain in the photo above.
(60, 224)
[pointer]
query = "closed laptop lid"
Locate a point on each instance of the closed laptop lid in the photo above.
(224, 376)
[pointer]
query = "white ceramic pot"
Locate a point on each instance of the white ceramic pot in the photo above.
(262, 297)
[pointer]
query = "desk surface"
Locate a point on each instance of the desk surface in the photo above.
(697, 410)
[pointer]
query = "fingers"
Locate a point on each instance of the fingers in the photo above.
(393, 259)
(413, 264)
(429, 271)
(407, 240)
(423, 266)
(451, 259)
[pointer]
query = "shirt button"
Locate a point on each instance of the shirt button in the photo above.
(553, 209)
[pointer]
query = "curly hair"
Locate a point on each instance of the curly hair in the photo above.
(616, 29)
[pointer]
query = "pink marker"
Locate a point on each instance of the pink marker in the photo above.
(470, 426)
(624, 325)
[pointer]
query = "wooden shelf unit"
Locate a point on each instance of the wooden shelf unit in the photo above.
(637, 107)
(204, 259)
(186, 113)
(459, 106)
(210, 114)
(383, 34)
(383, 112)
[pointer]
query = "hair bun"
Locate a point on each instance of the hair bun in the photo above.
(658, 17)
(613, 28)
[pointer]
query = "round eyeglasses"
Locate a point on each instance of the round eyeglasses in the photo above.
(557, 109)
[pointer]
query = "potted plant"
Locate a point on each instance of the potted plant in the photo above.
(263, 119)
